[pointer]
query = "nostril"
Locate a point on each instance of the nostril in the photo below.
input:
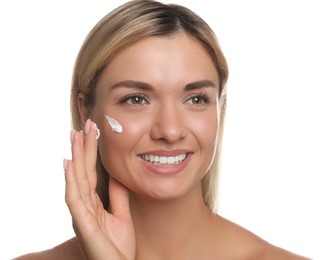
(168, 121)
(168, 130)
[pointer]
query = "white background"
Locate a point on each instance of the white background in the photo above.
(277, 145)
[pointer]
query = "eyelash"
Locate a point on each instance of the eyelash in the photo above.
(204, 97)
(127, 98)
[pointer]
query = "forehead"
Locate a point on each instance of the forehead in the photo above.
(177, 59)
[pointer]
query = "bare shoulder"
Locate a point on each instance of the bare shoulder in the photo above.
(272, 252)
(69, 250)
(243, 244)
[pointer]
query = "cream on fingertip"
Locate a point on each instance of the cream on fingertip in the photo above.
(97, 130)
(88, 126)
(114, 125)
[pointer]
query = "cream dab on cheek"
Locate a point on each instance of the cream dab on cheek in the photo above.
(114, 125)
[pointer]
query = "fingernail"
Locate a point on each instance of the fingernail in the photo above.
(72, 136)
(87, 126)
(97, 130)
(64, 164)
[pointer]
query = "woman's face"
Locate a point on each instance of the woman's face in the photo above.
(164, 92)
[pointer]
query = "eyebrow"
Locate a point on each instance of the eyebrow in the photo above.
(199, 84)
(131, 84)
(145, 86)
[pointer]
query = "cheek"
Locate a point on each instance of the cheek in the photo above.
(116, 148)
(204, 128)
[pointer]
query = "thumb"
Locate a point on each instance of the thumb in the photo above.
(119, 199)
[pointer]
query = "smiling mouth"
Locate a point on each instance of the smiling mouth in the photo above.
(164, 160)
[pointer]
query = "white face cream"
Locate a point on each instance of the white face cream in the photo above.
(114, 125)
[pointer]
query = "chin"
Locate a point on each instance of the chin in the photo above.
(168, 191)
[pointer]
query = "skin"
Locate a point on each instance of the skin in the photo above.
(165, 122)
(157, 212)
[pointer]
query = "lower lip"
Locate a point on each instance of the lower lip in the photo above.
(167, 169)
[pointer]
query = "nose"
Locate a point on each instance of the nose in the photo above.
(168, 124)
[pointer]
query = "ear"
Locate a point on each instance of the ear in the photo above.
(83, 111)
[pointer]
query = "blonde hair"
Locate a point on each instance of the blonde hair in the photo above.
(124, 26)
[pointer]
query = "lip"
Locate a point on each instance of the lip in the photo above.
(167, 169)
(167, 152)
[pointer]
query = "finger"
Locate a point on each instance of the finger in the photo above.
(78, 160)
(91, 148)
(82, 217)
(72, 192)
(119, 199)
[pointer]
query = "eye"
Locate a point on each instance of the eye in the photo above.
(198, 99)
(134, 99)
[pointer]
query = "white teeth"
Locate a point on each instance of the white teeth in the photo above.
(163, 160)
(155, 159)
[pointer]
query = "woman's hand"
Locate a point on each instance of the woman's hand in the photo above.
(102, 235)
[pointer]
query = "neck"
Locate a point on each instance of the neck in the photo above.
(163, 227)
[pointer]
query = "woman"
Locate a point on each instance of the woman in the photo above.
(146, 187)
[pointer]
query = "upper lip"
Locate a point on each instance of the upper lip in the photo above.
(167, 153)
